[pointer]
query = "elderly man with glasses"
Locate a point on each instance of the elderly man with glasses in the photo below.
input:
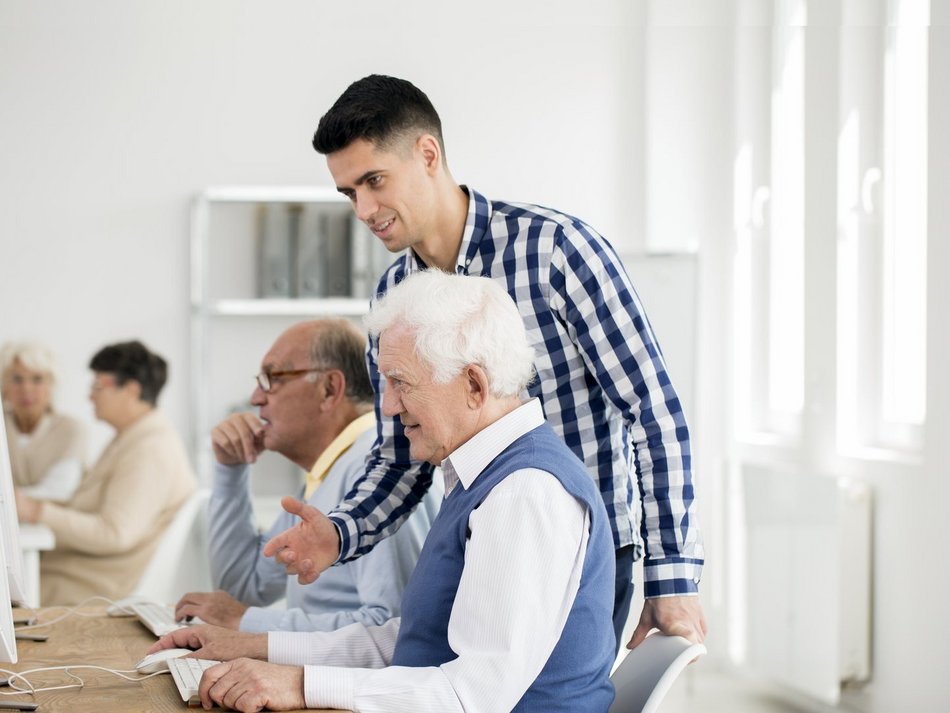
(315, 408)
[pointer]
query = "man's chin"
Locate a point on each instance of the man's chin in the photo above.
(423, 457)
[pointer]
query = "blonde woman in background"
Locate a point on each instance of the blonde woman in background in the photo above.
(108, 532)
(47, 449)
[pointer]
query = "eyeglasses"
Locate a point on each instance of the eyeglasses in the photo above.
(98, 386)
(267, 380)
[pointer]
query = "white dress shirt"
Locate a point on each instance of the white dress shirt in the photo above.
(523, 566)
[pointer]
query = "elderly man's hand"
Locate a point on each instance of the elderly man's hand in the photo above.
(238, 439)
(213, 642)
(218, 608)
(307, 548)
(674, 616)
(246, 685)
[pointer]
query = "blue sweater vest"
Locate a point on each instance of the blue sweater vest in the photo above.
(576, 676)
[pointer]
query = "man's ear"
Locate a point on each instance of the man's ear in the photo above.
(431, 151)
(476, 386)
(333, 386)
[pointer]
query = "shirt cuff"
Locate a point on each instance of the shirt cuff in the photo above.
(349, 535)
(329, 687)
(671, 577)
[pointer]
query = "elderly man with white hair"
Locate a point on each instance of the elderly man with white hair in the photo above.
(510, 604)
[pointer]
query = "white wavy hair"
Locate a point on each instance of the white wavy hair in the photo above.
(33, 355)
(459, 320)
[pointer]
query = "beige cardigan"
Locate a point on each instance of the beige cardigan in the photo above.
(107, 533)
(56, 438)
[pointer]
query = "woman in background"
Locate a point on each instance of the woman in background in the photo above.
(47, 449)
(108, 532)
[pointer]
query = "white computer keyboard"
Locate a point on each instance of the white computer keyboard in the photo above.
(186, 673)
(158, 618)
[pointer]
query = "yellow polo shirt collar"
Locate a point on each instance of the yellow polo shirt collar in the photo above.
(338, 447)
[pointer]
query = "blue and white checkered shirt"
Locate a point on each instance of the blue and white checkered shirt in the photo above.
(601, 380)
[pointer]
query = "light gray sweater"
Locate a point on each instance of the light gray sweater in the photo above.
(366, 590)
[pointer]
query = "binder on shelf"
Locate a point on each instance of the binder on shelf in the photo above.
(276, 249)
(323, 253)
(337, 245)
(369, 259)
(311, 272)
(316, 251)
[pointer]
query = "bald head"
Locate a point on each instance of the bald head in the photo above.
(340, 344)
(318, 385)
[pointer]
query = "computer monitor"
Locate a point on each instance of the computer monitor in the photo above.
(11, 557)
(7, 635)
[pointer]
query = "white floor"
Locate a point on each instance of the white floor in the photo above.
(704, 689)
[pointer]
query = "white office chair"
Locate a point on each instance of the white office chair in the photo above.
(646, 674)
(180, 563)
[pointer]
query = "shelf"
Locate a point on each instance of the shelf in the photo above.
(272, 194)
(274, 307)
(310, 228)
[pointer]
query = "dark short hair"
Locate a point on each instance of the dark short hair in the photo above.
(132, 361)
(339, 344)
(380, 109)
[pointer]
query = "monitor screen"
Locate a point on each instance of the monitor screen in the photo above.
(7, 635)
(11, 578)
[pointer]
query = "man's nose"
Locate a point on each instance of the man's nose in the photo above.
(364, 206)
(391, 403)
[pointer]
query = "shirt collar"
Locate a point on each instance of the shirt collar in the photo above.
(338, 446)
(476, 228)
(468, 461)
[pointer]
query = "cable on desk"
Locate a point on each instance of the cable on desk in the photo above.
(70, 611)
(32, 690)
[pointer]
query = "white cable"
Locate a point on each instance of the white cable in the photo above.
(70, 611)
(33, 690)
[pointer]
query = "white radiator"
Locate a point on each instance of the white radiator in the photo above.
(808, 577)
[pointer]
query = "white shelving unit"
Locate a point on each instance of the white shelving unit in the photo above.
(233, 325)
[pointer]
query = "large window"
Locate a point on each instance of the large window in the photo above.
(882, 208)
(769, 220)
(786, 297)
(879, 311)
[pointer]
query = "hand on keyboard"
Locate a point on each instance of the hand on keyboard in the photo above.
(257, 684)
(214, 642)
(186, 672)
(218, 608)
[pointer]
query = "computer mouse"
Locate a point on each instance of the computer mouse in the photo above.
(153, 663)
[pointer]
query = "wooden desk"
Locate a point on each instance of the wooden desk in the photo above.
(112, 642)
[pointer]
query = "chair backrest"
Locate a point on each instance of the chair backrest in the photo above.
(643, 678)
(180, 563)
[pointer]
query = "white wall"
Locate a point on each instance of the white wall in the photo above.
(114, 112)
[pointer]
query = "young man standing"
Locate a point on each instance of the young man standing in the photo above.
(601, 378)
